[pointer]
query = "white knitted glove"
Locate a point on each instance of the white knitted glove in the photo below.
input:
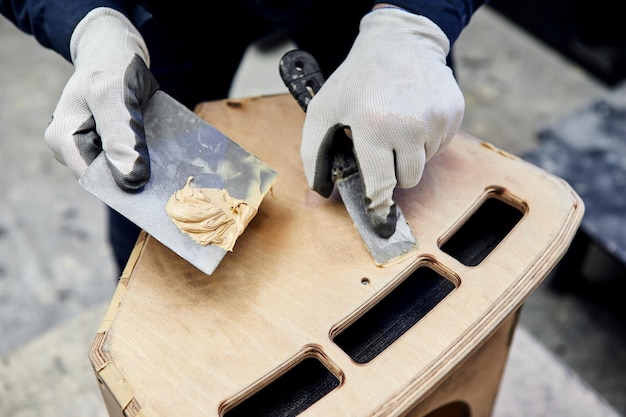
(400, 101)
(100, 107)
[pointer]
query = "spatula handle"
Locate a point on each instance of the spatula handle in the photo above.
(302, 75)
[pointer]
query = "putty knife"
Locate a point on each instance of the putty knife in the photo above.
(181, 145)
(302, 76)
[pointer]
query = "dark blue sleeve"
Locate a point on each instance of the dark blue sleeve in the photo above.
(52, 22)
(450, 15)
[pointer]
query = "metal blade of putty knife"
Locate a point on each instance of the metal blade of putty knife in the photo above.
(302, 76)
(181, 145)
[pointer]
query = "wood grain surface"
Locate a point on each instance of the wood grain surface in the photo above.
(178, 342)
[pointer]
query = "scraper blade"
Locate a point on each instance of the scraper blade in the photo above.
(181, 145)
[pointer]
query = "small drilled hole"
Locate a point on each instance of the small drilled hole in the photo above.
(299, 65)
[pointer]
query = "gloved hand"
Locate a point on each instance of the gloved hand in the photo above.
(100, 107)
(400, 101)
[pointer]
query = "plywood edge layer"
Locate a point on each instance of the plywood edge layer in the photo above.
(116, 391)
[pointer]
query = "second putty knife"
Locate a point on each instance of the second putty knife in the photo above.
(302, 76)
(181, 145)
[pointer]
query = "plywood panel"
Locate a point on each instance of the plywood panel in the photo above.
(190, 344)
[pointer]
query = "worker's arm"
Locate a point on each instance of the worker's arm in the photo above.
(52, 22)
(450, 15)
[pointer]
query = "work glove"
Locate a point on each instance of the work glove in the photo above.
(100, 106)
(400, 101)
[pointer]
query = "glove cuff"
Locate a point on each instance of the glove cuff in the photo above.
(107, 28)
(400, 25)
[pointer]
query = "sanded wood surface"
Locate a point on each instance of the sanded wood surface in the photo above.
(178, 342)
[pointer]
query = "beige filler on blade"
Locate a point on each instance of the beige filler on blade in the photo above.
(210, 215)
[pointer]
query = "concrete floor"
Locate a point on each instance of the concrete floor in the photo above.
(56, 270)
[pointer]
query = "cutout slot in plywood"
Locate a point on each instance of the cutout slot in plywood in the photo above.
(482, 231)
(391, 317)
(291, 393)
